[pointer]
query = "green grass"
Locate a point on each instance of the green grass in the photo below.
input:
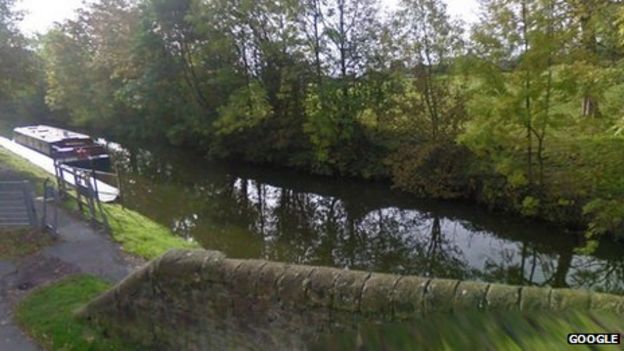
(47, 315)
(140, 235)
(479, 331)
(22, 168)
(137, 234)
(21, 242)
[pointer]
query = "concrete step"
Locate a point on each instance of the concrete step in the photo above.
(15, 219)
(15, 225)
(12, 201)
(12, 208)
(4, 197)
(15, 210)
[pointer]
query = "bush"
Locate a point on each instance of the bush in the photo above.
(439, 170)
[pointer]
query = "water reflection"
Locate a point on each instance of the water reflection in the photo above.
(250, 212)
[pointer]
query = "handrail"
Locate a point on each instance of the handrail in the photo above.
(94, 171)
(85, 186)
(47, 190)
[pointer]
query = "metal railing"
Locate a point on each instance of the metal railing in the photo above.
(83, 189)
(50, 195)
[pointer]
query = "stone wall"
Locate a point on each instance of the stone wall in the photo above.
(196, 300)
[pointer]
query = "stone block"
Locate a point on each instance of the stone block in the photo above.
(470, 296)
(377, 295)
(566, 299)
(503, 298)
(292, 286)
(407, 298)
(534, 299)
(181, 262)
(268, 278)
(320, 290)
(439, 295)
(227, 272)
(607, 303)
(348, 288)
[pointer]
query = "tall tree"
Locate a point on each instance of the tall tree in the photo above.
(430, 42)
(596, 43)
(15, 59)
(335, 103)
(519, 43)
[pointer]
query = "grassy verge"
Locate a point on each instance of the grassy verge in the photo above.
(24, 169)
(480, 331)
(21, 242)
(137, 234)
(140, 235)
(47, 316)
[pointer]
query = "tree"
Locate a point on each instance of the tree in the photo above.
(16, 62)
(592, 23)
(429, 44)
(336, 101)
(88, 63)
(520, 44)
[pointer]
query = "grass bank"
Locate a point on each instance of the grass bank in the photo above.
(140, 235)
(137, 234)
(47, 316)
(12, 166)
(21, 242)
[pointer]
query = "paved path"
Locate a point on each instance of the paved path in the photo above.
(78, 249)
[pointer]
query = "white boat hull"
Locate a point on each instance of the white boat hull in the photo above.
(106, 192)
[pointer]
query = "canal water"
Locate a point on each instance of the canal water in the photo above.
(282, 215)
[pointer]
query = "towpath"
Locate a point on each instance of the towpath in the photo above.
(78, 249)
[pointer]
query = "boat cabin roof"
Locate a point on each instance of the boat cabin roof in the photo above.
(50, 134)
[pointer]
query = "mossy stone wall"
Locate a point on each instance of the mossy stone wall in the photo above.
(196, 300)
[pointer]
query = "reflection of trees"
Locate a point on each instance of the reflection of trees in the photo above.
(603, 275)
(308, 228)
(245, 217)
(522, 266)
(528, 266)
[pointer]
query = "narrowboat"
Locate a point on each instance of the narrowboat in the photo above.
(64, 146)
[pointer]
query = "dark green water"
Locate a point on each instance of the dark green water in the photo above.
(282, 215)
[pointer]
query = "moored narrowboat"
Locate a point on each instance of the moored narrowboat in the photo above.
(64, 146)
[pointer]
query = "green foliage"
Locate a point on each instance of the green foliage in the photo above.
(21, 88)
(246, 108)
(48, 316)
(606, 216)
(332, 112)
(432, 170)
(530, 206)
(525, 116)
